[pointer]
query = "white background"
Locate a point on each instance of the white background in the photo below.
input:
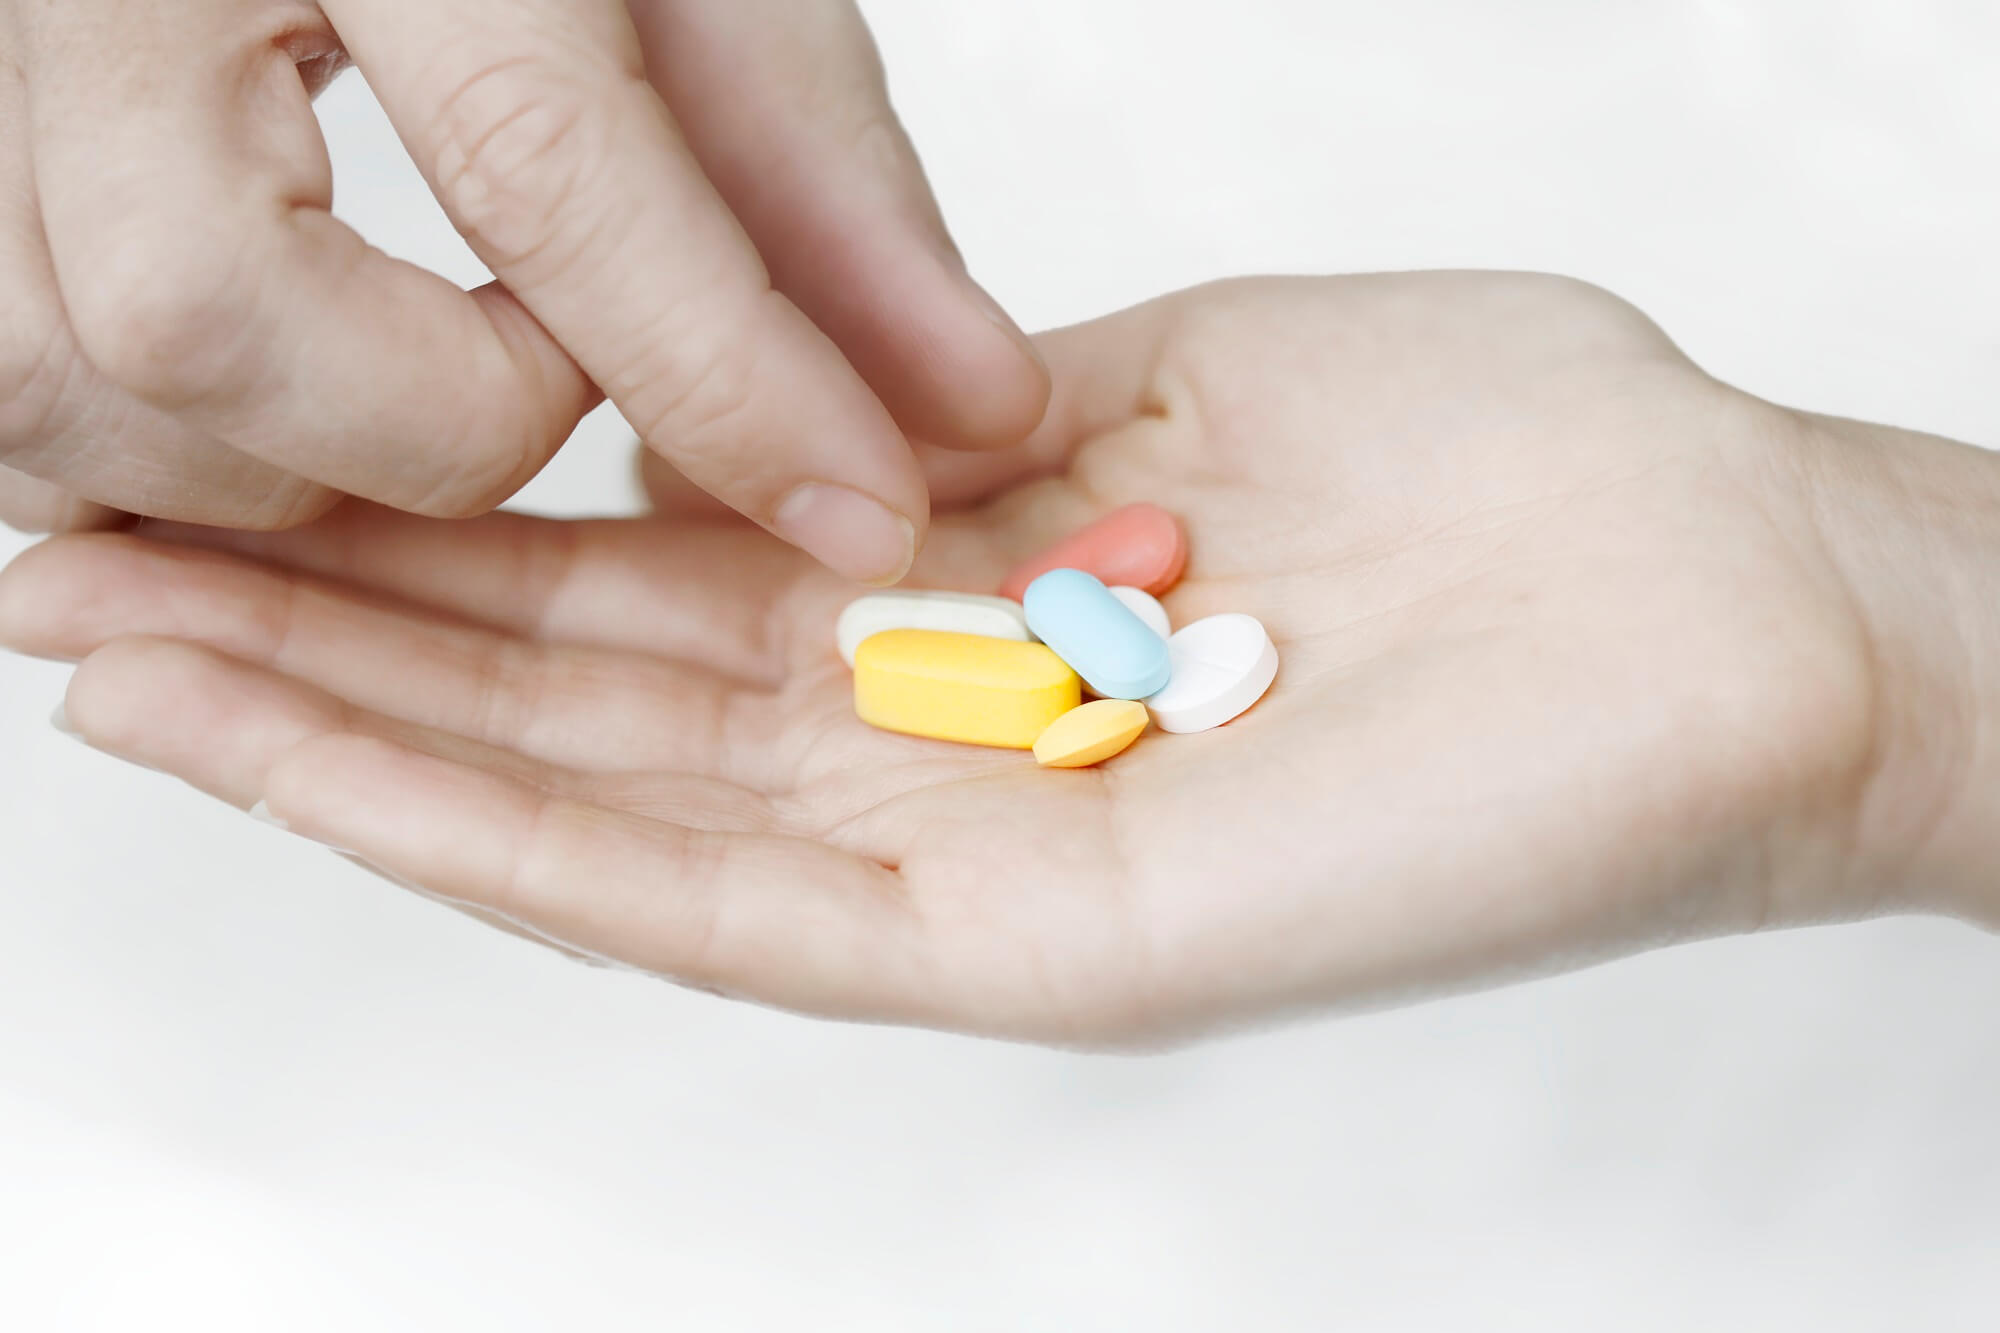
(245, 1087)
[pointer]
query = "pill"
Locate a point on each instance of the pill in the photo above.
(1088, 628)
(1147, 607)
(908, 608)
(1139, 546)
(961, 687)
(1090, 734)
(1221, 665)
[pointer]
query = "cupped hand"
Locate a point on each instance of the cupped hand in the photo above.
(1565, 673)
(705, 209)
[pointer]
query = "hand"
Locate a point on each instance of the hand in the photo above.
(704, 207)
(1572, 665)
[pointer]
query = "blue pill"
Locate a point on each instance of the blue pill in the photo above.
(1113, 650)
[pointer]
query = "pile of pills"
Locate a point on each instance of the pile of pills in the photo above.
(1085, 615)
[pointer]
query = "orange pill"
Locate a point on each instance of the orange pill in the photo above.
(1139, 546)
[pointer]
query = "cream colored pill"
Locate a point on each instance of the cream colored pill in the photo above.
(1147, 607)
(1220, 666)
(1090, 734)
(910, 608)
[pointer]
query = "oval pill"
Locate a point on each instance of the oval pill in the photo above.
(1221, 665)
(1106, 644)
(1147, 607)
(1139, 546)
(1090, 734)
(910, 608)
(961, 687)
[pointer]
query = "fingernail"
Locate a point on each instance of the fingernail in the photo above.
(265, 817)
(854, 535)
(60, 721)
(262, 814)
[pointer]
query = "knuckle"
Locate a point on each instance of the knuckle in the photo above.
(696, 408)
(509, 147)
(173, 332)
(1582, 308)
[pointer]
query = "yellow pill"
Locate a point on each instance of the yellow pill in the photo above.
(962, 687)
(1091, 734)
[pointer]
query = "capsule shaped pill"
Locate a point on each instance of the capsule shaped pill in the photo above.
(1147, 607)
(1090, 734)
(1106, 644)
(1221, 665)
(909, 608)
(1140, 546)
(961, 687)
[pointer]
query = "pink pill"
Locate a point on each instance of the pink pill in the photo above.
(1139, 546)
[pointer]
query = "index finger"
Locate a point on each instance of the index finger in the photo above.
(535, 124)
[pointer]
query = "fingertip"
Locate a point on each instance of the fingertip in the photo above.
(34, 587)
(110, 693)
(80, 592)
(1004, 385)
(12, 577)
(554, 393)
(951, 366)
(855, 535)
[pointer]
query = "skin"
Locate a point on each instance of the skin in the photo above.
(1583, 653)
(704, 209)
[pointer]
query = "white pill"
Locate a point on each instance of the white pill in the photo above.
(1147, 607)
(1221, 666)
(909, 608)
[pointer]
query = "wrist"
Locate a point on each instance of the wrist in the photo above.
(1911, 523)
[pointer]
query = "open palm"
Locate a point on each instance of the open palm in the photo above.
(1560, 677)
